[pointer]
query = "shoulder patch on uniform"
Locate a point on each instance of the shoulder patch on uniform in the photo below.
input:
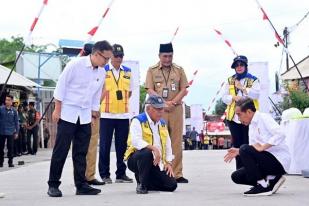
(154, 66)
(177, 66)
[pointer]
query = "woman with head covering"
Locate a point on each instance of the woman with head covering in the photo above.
(241, 84)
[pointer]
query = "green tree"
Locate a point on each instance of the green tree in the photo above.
(8, 48)
(297, 99)
(219, 108)
(142, 97)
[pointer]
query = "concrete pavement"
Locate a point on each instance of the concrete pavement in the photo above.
(209, 178)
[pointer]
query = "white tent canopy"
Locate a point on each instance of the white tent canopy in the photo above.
(292, 73)
(15, 79)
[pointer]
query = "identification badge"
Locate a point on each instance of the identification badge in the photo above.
(173, 86)
(119, 95)
(165, 93)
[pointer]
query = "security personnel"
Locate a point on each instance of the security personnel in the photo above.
(9, 128)
(115, 116)
(169, 81)
(240, 84)
(149, 152)
(33, 118)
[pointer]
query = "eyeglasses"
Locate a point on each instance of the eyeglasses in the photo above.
(240, 64)
(105, 58)
(119, 56)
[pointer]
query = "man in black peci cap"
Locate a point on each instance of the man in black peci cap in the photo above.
(169, 81)
(149, 152)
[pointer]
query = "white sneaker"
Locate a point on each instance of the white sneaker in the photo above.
(2, 195)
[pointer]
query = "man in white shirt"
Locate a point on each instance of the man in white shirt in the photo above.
(77, 101)
(114, 121)
(266, 159)
(241, 84)
(149, 152)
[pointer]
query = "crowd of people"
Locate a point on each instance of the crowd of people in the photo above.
(19, 126)
(201, 141)
(92, 105)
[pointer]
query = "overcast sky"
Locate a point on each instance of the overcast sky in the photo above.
(141, 25)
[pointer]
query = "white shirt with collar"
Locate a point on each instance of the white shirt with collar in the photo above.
(116, 73)
(264, 129)
(139, 143)
(79, 89)
(253, 93)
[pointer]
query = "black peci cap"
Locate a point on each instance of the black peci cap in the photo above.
(166, 48)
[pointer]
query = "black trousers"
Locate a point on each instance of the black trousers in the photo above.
(256, 166)
(79, 135)
(240, 136)
(141, 163)
(32, 133)
(23, 139)
(107, 129)
(10, 146)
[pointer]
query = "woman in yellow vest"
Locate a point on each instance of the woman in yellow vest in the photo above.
(241, 84)
(149, 151)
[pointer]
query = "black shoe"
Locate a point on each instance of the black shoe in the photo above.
(276, 183)
(107, 180)
(259, 190)
(1, 164)
(87, 190)
(182, 180)
(141, 189)
(95, 182)
(124, 179)
(11, 165)
(54, 192)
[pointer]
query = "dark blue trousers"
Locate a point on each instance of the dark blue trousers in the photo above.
(119, 128)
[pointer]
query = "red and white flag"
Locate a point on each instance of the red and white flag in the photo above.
(226, 41)
(35, 21)
(92, 32)
(174, 35)
(265, 17)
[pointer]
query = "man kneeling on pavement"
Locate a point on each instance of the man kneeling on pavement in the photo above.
(266, 158)
(149, 152)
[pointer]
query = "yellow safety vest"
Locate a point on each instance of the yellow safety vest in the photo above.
(110, 103)
(148, 136)
(230, 110)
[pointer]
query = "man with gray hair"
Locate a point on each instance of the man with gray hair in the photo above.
(149, 152)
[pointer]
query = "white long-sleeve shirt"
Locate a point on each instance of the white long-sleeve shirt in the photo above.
(79, 89)
(253, 93)
(139, 143)
(264, 129)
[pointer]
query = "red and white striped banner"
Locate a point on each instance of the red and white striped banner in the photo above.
(213, 100)
(35, 21)
(174, 35)
(92, 32)
(226, 41)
